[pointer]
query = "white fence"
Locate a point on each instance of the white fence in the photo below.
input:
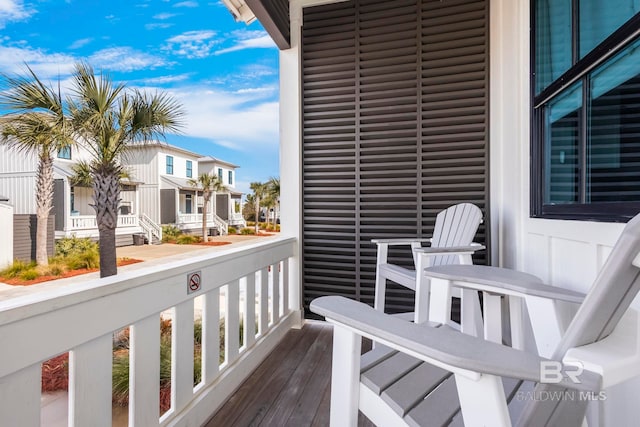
(82, 318)
(6, 231)
(88, 222)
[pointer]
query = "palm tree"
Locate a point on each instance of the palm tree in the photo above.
(209, 184)
(274, 193)
(110, 120)
(259, 192)
(35, 123)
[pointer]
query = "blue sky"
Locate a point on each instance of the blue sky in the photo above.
(224, 73)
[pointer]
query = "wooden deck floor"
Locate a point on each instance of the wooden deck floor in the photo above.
(290, 388)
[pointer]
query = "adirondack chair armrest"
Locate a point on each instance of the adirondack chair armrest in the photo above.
(452, 250)
(401, 241)
(448, 349)
(617, 357)
(501, 281)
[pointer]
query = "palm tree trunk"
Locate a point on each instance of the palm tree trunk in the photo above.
(257, 213)
(205, 203)
(106, 197)
(44, 197)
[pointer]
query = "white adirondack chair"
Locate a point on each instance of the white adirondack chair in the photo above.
(423, 376)
(451, 243)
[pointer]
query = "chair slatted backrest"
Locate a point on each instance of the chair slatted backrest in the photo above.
(614, 289)
(455, 226)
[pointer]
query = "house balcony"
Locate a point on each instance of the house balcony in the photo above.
(194, 221)
(88, 222)
(247, 285)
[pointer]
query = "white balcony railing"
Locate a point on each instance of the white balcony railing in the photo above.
(249, 282)
(192, 218)
(88, 222)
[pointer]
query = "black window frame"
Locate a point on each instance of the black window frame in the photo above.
(169, 165)
(604, 212)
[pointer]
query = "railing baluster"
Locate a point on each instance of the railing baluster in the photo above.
(250, 311)
(211, 336)
(275, 299)
(232, 324)
(286, 305)
(264, 301)
(90, 383)
(20, 397)
(182, 355)
(144, 372)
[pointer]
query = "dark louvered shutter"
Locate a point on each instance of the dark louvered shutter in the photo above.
(394, 130)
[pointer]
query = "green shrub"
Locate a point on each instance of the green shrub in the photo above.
(187, 239)
(29, 274)
(70, 246)
(16, 268)
(90, 258)
(247, 230)
(55, 268)
(170, 233)
(232, 230)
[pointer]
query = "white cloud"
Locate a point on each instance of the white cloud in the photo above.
(166, 79)
(14, 10)
(124, 59)
(192, 44)
(80, 43)
(249, 40)
(186, 4)
(242, 121)
(155, 25)
(45, 65)
(163, 16)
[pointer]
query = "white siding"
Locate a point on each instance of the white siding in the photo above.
(179, 165)
(563, 253)
(83, 196)
(12, 161)
(149, 198)
(6, 231)
(143, 165)
(20, 189)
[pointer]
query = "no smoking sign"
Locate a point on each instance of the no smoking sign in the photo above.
(194, 281)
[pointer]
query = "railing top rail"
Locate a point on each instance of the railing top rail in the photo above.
(38, 324)
(241, 262)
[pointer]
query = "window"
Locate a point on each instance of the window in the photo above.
(220, 174)
(169, 165)
(188, 204)
(64, 153)
(585, 130)
(230, 177)
(189, 169)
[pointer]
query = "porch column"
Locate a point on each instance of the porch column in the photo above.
(290, 152)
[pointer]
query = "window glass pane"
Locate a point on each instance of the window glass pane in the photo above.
(64, 153)
(562, 126)
(230, 177)
(613, 169)
(553, 40)
(600, 18)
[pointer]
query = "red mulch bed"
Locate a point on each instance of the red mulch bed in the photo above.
(217, 243)
(16, 281)
(55, 373)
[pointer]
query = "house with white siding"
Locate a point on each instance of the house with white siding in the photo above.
(156, 191)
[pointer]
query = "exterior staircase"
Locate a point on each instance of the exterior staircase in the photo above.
(152, 230)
